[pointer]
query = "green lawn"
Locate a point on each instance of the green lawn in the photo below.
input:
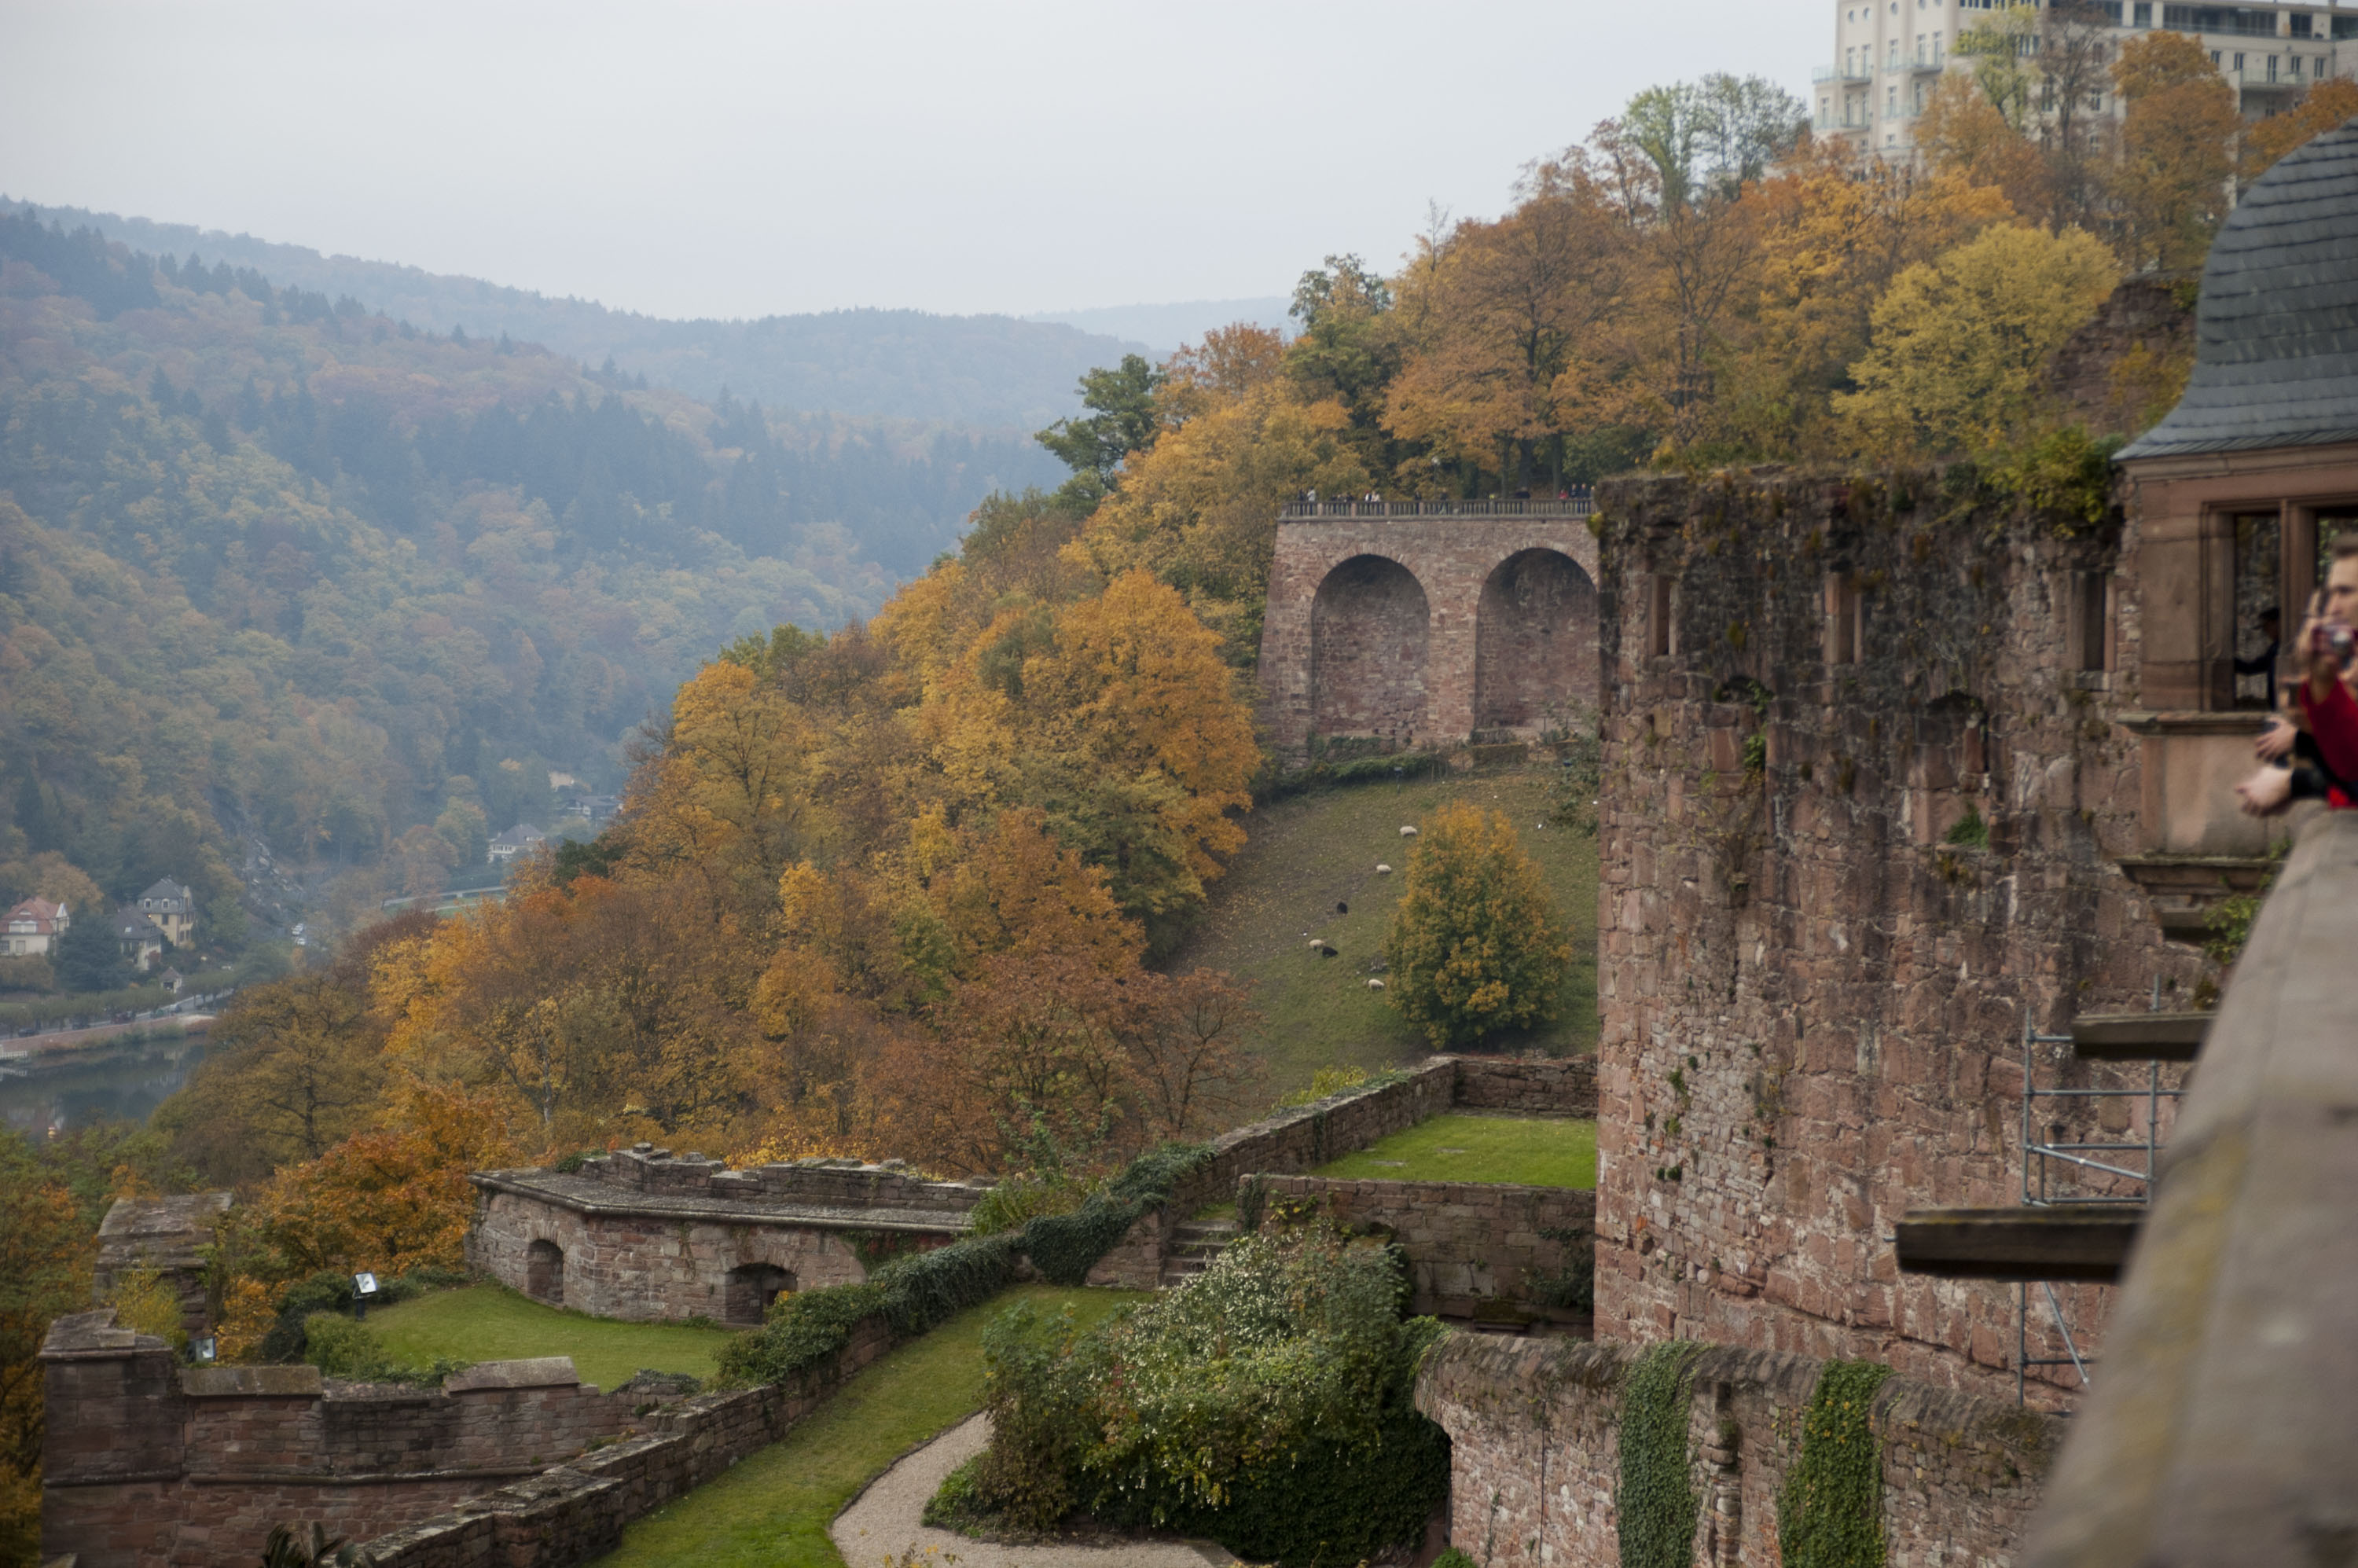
(1451, 1148)
(490, 1322)
(775, 1507)
(1313, 851)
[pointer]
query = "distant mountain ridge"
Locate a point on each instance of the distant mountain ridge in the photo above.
(1164, 329)
(990, 370)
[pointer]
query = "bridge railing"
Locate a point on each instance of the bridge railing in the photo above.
(2226, 1426)
(1574, 507)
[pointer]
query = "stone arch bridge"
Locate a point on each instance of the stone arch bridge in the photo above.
(1418, 623)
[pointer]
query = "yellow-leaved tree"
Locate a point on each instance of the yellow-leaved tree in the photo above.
(1475, 944)
(2171, 185)
(1959, 342)
(1142, 748)
(1199, 509)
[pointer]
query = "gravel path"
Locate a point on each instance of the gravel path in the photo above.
(882, 1524)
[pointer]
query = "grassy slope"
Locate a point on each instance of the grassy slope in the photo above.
(775, 1507)
(488, 1322)
(1532, 1152)
(1313, 851)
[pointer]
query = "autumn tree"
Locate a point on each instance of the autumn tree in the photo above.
(1200, 510)
(46, 1249)
(1499, 316)
(1476, 943)
(1144, 750)
(295, 1068)
(389, 1200)
(2176, 141)
(2328, 105)
(1959, 342)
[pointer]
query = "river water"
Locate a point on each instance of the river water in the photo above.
(121, 1085)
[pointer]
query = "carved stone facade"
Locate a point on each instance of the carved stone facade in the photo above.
(1396, 625)
(1866, 795)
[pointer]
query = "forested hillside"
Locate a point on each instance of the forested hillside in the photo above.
(983, 371)
(270, 563)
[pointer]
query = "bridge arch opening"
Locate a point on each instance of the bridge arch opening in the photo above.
(1535, 654)
(1369, 626)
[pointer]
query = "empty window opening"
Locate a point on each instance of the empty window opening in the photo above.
(750, 1288)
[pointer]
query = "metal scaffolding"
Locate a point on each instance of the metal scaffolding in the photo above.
(2054, 1167)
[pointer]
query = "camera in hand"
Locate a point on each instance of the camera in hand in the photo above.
(2337, 643)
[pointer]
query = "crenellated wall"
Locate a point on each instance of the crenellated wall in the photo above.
(146, 1464)
(1866, 797)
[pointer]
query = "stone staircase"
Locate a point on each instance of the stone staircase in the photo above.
(1193, 1246)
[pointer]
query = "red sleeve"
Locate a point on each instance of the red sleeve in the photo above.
(2334, 723)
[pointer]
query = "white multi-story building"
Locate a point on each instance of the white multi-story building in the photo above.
(1889, 53)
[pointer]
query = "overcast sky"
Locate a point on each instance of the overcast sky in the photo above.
(741, 159)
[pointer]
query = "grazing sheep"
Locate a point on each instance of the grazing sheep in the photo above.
(1407, 832)
(1327, 952)
(1382, 870)
(1375, 985)
(1318, 944)
(1341, 907)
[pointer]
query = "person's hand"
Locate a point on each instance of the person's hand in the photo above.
(2275, 741)
(2267, 792)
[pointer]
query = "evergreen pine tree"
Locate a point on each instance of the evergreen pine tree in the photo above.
(86, 957)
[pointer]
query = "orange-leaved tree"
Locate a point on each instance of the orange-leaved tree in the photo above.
(393, 1199)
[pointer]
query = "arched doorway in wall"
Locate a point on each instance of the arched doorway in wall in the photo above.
(749, 1289)
(1369, 627)
(543, 1272)
(1535, 652)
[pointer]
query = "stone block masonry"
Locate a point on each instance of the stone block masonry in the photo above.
(146, 1464)
(510, 1465)
(1535, 1460)
(643, 1235)
(1863, 803)
(1471, 1247)
(1302, 1138)
(1422, 630)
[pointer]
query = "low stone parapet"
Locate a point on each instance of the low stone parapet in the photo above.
(1535, 1430)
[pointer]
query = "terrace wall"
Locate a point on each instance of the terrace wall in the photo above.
(1302, 1138)
(1473, 1248)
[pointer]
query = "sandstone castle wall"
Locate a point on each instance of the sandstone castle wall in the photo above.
(1865, 801)
(1534, 1429)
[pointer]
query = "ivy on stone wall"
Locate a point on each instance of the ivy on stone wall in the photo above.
(1658, 1507)
(1830, 1514)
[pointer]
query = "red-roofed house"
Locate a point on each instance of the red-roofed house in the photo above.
(34, 927)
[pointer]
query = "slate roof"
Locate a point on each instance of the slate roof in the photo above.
(166, 890)
(2276, 330)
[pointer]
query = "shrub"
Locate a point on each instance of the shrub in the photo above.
(1266, 1405)
(1476, 943)
(1018, 1200)
(1065, 1247)
(345, 1347)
